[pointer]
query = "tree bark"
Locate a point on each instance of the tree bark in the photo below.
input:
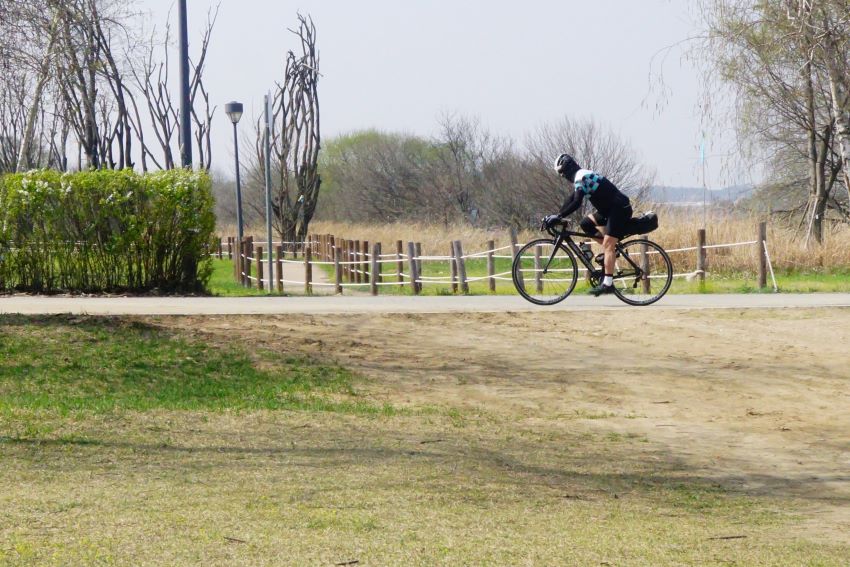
(841, 113)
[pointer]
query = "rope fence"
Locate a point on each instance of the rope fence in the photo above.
(348, 263)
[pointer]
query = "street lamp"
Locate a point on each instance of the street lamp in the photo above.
(234, 112)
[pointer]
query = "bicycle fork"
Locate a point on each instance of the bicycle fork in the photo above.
(558, 242)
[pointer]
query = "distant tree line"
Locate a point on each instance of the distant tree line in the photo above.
(465, 174)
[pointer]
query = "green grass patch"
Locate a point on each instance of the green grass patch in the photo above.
(223, 283)
(789, 281)
(99, 365)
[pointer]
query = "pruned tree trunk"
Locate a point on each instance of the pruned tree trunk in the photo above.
(295, 139)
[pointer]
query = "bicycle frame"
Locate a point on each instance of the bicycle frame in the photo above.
(564, 236)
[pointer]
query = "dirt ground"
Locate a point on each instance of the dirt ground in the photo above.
(755, 400)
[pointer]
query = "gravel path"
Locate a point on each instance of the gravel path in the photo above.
(391, 304)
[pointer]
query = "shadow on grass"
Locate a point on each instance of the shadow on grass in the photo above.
(584, 477)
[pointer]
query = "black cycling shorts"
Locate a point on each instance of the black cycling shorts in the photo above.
(616, 221)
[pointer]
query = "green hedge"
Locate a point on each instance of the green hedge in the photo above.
(109, 231)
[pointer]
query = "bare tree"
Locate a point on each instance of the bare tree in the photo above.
(780, 60)
(79, 61)
(462, 147)
(823, 28)
(594, 147)
(295, 138)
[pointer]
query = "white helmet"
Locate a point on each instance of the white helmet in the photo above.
(566, 165)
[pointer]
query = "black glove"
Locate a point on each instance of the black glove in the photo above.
(550, 220)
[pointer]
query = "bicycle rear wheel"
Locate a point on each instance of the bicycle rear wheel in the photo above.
(540, 280)
(648, 279)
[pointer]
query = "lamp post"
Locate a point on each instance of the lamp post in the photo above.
(234, 112)
(185, 103)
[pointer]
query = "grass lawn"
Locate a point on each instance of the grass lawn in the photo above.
(123, 442)
(222, 282)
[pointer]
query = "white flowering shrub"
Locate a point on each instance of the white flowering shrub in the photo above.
(105, 231)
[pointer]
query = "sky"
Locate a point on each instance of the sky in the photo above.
(397, 65)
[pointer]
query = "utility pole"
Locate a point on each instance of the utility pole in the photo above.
(267, 139)
(185, 104)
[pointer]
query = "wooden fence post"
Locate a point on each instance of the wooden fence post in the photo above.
(337, 270)
(358, 272)
(249, 249)
(762, 256)
(453, 267)
(237, 261)
(366, 261)
(340, 247)
(352, 257)
(220, 249)
(644, 265)
(379, 271)
(249, 253)
(279, 270)
(514, 245)
(491, 264)
(419, 261)
(399, 251)
(343, 255)
(414, 271)
(375, 267)
(349, 245)
(246, 264)
(538, 282)
(259, 257)
(701, 267)
(308, 270)
(271, 273)
(230, 247)
(237, 270)
(461, 267)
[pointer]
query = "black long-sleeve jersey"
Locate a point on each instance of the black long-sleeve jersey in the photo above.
(604, 195)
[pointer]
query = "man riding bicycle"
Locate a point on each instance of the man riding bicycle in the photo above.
(613, 211)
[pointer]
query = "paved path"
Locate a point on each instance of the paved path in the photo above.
(391, 304)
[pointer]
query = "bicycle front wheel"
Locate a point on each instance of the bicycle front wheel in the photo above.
(543, 274)
(643, 272)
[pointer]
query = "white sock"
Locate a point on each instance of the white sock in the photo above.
(609, 280)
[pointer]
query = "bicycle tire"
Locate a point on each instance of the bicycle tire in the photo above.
(654, 282)
(527, 260)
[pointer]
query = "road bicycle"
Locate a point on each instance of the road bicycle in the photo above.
(545, 271)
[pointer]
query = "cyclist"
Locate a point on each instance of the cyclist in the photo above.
(613, 211)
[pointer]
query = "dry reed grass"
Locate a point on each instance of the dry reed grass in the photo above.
(678, 229)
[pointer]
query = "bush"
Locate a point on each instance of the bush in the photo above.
(105, 230)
